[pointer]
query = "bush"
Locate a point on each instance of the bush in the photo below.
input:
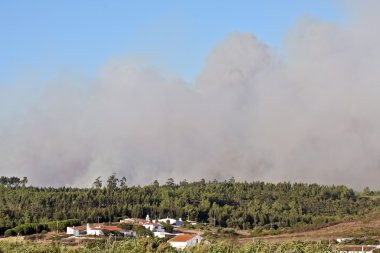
(9, 232)
(125, 226)
(141, 231)
(168, 228)
(32, 228)
(63, 224)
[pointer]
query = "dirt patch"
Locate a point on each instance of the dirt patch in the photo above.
(360, 228)
(12, 239)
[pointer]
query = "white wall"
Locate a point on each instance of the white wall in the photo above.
(192, 242)
(71, 231)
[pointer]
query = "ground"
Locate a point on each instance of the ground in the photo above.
(364, 227)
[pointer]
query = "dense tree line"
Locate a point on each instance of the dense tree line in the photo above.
(32, 228)
(13, 181)
(244, 205)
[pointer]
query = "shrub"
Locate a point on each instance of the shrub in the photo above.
(9, 232)
(168, 228)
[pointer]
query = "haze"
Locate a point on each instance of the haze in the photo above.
(307, 113)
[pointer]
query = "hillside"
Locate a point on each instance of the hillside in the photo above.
(366, 227)
(239, 205)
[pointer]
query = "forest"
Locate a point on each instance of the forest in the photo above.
(242, 205)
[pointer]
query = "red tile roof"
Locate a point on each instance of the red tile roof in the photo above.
(182, 238)
(111, 228)
(152, 223)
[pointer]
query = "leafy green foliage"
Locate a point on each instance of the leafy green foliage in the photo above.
(126, 226)
(143, 232)
(168, 228)
(155, 245)
(32, 228)
(244, 205)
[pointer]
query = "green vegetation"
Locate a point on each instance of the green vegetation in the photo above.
(240, 205)
(159, 245)
(32, 228)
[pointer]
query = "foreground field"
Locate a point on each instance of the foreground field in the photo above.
(151, 245)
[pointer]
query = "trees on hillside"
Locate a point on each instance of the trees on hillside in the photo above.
(227, 203)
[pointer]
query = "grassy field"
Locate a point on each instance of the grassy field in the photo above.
(363, 227)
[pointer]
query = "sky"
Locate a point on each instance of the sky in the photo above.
(41, 39)
(255, 90)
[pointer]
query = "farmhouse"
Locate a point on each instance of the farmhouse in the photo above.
(136, 220)
(133, 221)
(172, 221)
(76, 230)
(98, 230)
(360, 249)
(153, 226)
(185, 240)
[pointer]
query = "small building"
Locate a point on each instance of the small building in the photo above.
(153, 226)
(360, 249)
(136, 220)
(98, 230)
(160, 234)
(130, 233)
(94, 230)
(133, 221)
(76, 230)
(172, 221)
(185, 240)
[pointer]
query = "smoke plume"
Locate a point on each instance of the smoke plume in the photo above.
(308, 114)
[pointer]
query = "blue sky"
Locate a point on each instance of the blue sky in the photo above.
(40, 39)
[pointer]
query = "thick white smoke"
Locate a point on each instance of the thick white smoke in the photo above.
(310, 114)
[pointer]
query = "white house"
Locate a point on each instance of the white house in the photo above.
(360, 249)
(133, 221)
(153, 226)
(98, 230)
(172, 221)
(185, 240)
(76, 230)
(129, 233)
(94, 230)
(160, 234)
(136, 220)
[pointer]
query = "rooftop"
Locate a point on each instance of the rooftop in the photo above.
(83, 227)
(182, 238)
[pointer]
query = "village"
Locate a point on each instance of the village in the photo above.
(177, 237)
(128, 227)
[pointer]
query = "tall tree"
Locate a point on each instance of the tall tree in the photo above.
(24, 181)
(97, 183)
(170, 182)
(123, 182)
(112, 182)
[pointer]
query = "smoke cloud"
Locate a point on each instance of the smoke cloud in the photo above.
(308, 114)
